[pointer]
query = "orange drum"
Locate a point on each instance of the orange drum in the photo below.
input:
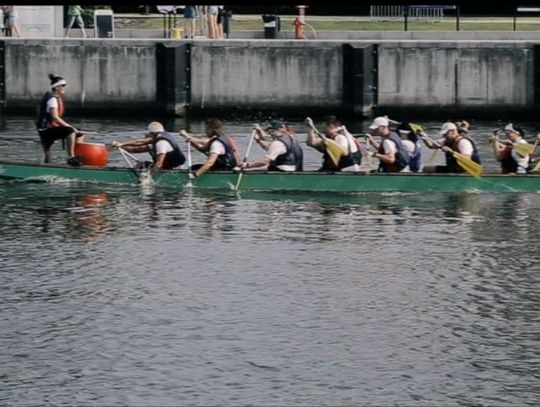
(92, 154)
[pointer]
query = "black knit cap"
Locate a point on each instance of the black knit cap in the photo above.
(275, 125)
(404, 126)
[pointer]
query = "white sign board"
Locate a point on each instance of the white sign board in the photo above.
(40, 21)
(103, 24)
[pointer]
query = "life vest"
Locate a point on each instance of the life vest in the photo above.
(345, 161)
(510, 165)
(45, 119)
(173, 158)
(401, 156)
(293, 156)
(231, 158)
(452, 163)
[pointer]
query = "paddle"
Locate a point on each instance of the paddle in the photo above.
(463, 161)
(190, 171)
(417, 128)
(368, 155)
(334, 149)
(143, 176)
(241, 174)
(537, 166)
(522, 149)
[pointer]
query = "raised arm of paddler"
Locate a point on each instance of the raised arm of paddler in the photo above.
(261, 137)
(202, 144)
(313, 139)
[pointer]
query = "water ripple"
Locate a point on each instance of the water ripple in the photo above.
(117, 296)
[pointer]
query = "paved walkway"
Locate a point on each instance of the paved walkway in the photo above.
(257, 17)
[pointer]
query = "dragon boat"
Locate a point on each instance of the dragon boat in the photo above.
(307, 181)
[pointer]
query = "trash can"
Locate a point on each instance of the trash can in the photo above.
(271, 25)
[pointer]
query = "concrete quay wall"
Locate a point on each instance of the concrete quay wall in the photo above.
(176, 76)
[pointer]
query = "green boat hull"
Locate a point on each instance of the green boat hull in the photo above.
(278, 181)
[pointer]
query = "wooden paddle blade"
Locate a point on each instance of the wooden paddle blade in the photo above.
(433, 156)
(239, 180)
(536, 167)
(473, 168)
(523, 149)
(334, 150)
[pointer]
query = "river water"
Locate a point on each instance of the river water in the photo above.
(124, 295)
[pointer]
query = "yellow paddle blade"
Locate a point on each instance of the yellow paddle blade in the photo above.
(536, 167)
(239, 181)
(334, 150)
(416, 128)
(523, 149)
(432, 156)
(468, 165)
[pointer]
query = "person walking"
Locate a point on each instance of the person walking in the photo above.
(211, 16)
(161, 146)
(10, 19)
(75, 16)
(190, 13)
(2, 24)
(50, 123)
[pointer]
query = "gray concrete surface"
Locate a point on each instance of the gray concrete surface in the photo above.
(121, 74)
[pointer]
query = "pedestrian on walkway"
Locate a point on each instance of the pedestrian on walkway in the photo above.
(75, 15)
(190, 13)
(10, 21)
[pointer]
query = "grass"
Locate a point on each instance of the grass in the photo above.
(286, 25)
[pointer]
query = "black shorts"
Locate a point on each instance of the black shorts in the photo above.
(50, 135)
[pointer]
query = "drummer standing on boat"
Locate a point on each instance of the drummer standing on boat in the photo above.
(51, 125)
(161, 146)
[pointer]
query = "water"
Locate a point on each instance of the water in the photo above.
(121, 295)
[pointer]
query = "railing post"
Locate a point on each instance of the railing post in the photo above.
(406, 16)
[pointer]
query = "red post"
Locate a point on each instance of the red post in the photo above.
(298, 27)
(301, 12)
(299, 22)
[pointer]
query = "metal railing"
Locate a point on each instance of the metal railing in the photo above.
(417, 13)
